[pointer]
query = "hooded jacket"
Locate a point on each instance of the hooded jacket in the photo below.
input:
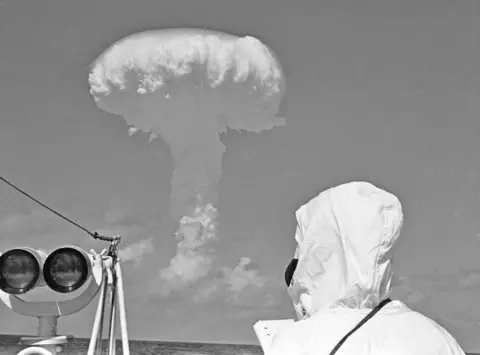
(345, 238)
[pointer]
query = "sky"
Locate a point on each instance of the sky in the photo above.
(384, 91)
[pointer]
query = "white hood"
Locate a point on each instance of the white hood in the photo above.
(345, 237)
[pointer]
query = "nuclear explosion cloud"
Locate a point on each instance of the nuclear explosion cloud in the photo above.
(187, 86)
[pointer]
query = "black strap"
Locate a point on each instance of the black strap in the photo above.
(362, 322)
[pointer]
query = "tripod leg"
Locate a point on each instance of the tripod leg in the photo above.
(113, 294)
(121, 310)
(98, 322)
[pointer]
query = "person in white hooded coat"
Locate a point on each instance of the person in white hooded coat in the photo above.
(345, 238)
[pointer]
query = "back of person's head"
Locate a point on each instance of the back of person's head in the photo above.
(345, 238)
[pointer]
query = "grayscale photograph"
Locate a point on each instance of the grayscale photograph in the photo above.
(240, 177)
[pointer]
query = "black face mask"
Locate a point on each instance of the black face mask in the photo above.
(290, 270)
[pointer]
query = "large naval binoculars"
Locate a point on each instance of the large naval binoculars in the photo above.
(64, 270)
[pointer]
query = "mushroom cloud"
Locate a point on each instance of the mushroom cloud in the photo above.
(187, 86)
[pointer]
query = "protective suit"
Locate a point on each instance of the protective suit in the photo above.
(345, 238)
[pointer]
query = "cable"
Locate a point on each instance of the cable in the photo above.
(94, 235)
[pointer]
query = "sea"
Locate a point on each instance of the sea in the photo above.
(9, 345)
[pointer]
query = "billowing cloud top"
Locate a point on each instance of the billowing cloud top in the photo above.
(236, 81)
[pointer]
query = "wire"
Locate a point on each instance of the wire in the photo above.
(94, 235)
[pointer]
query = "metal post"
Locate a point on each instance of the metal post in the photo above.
(47, 326)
